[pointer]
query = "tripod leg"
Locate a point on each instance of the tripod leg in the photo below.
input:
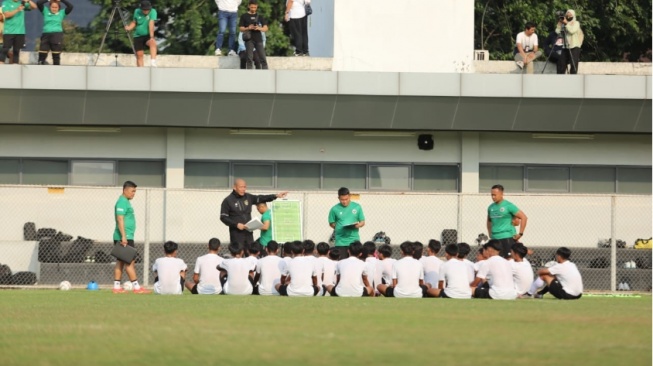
(106, 31)
(129, 35)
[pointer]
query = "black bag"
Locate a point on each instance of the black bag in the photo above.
(600, 262)
(449, 236)
(23, 278)
(102, 257)
(643, 263)
(381, 238)
(77, 251)
(63, 237)
(247, 35)
(5, 275)
(49, 251)
(308, 9)
(29, 231)
(45, 233)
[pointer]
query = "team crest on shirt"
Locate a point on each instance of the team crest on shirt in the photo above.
(502, 209)
(246, 203)
(354, 211)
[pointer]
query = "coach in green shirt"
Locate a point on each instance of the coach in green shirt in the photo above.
(14, 29)
(143, 26)
(500, 216)
(346, 218)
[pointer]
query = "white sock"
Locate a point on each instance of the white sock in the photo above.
(116, 284)
(536, 285)
(153, 62)
(135, 285)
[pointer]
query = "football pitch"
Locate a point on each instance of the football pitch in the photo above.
(79, 327)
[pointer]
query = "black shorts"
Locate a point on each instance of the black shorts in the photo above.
(365, 293)
(255, 290)
(555, 288)
(443, 295)
(424, 290)
(194, 290)
(130, 242)
(482, 293)
(51, 42)
(140, 43)
(389, 292)
(506, 246)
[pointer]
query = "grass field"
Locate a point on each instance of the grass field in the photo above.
(47, 327)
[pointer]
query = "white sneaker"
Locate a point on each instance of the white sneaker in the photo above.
(232, 53)
(153, 63)
(218, 52)
(520, 64)
(626, 286)
(620, 287)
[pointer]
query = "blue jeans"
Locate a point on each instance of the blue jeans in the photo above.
(225, 17)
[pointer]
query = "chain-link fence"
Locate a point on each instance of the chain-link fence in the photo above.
(73, 228)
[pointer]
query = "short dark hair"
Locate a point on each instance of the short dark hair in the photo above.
(253, 2)
(322, 248)
(309, 246)
(451, 249)
(406, 248)
(343, 191)
(463, 250)
(272, 246)
(494, 244)
(235, 248)
(520, 249)
(435, 246)
(529, 25)
(129, 184)
(334, 253)
(418, 250)
(169, 247)
(255, 248)
(214, 244)
(564, 252)
(369, 248)
(146, 5)
(355, 248)
(296, 247)
(498, 186)
(385, 250)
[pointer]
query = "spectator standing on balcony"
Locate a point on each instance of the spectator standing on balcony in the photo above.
(500, 221)
(14, 27)
(143, 22)
(526, 49)
(243, 55)
(52, 37)
(574, 40)
(253, 25)
(10, 55)
(227, 16)
(298, 23)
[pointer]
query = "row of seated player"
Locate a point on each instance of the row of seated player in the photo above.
(365, 270)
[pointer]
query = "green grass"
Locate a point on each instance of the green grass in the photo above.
(47, 327)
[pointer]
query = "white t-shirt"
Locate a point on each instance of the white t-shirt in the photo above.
(168, 269)
(270, 271)
(301, 271)
(297, 10)
(351, 271)
(228, 5)
(370, 268)
(408, 271)
(527, 43)
(471, 273)
(569, 276)
(498, 272)
(522, 275)
(328, 271)
(238, 276)
(205, 266)
(431, 266)
(386, 270)
(454, 273)
(252, 260)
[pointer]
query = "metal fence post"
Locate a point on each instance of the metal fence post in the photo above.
(146, 249)
(459, 219)
(613, 244)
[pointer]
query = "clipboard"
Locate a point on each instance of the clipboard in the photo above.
(124, 254)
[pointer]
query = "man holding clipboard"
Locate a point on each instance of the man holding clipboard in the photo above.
(346, 218)
(123, 236)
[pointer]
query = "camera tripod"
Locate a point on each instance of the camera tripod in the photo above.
(563, 34)
(122, 13)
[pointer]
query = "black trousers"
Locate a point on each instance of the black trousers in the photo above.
(566, 59)
(243, 237)
(299, 33)
(15, 41)
(252, 46)
(51, 42)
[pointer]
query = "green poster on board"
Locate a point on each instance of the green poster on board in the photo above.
(286, 221)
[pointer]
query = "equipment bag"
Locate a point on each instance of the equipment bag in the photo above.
(5, 275)
(29, 231)
(449, 236)
(77, 251)
(600, 262)
(644, 243)
(23, 278)
(49, 251)
(45, 233)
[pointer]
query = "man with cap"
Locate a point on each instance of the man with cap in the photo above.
(143, 22)
(346, 218)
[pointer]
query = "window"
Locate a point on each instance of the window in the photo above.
(510, 177)
(45, 172)
(351, 176)
(593, 179)
(389, 177)
(10, 171)
(93, 173)
(298, 175)
(143, 173)
(634, 180)
(256, 175)
(206, 174)
(547, 179)
(436, 178)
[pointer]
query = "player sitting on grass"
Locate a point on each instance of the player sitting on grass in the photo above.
(326, 268)
(563, 280)
(369, 250)
(169, 271)
(432, 263)
(385, 264)
(238, 272)
(254, 250)
(268, 272)
(351, 275)
(407, 276)
(499, 272)
(463, 252)
(298, 278)
(522, 272)
(454, 280)
(206, 279)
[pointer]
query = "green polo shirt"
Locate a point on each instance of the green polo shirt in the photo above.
(344, 216)
(143, 22)
(266, 235)
(52, 23)
(124, 208)
(15, 24)
(501, 215)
